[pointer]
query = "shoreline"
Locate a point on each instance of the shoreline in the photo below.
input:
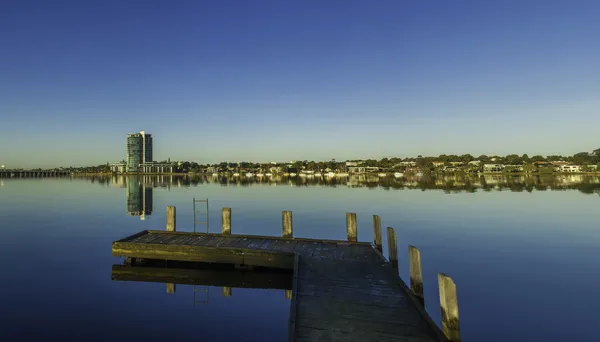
(80, 174)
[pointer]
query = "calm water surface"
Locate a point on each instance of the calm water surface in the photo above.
(525, 262)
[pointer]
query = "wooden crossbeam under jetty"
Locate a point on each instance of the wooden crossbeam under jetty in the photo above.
(340, 290)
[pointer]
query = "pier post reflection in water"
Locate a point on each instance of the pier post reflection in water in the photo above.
(202, 277)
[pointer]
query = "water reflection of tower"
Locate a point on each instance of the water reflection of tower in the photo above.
(139, 197)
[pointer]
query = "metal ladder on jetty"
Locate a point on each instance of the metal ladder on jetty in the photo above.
(203, 213)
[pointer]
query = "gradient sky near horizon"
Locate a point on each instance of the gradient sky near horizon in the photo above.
(283, 80)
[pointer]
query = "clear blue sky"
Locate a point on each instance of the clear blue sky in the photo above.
(280, 80)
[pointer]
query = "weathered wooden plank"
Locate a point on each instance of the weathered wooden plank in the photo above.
(149, 238)
(231, 242)
(134, 236)
(286, 224)
(351, 227)
(206, 240)
(224, 240)
(179, 240)
(171, 222)
(139, 238)
(377, 233)
(217, 242)
(316, 334)
(359, 312)
(261, 237)
(255, 244)
(192, 240)
(392, 247)
(397, 314)
(355, 324)
(243, 243)
(449, 307)
(265, 244)
(234, 256)
(271, 244)
(416, 276)
(226, 221)
(268, 259)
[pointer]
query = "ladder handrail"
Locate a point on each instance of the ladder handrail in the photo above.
(194, 201)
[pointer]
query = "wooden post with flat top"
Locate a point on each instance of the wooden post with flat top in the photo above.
(226, 221)
(351, 227)
(171, 219)
(449, 307)
(286, 224)
(392, 247)
(416, 275)
(377, 233)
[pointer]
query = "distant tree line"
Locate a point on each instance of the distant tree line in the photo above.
(581, 158)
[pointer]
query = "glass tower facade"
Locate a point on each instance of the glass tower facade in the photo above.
(139, 150)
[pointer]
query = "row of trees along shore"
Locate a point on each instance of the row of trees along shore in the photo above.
(582, 158)
(425, 162)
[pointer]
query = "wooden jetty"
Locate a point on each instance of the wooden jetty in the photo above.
(340, 290)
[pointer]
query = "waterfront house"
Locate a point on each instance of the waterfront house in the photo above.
(569, 168)
(276, 169)
(493, 167)
(542, 164)
(361, 169)
(438, 163)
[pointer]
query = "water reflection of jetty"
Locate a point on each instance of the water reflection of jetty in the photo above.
(448, 183)
(203, 275)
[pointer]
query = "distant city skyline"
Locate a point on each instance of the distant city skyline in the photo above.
(276, 80)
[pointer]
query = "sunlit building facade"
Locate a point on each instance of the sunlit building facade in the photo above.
(139, 150)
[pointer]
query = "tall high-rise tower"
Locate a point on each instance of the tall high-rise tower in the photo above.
(139, 150)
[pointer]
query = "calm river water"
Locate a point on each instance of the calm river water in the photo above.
(524, 253)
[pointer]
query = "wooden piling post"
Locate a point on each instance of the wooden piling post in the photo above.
(226, 221)
(286, 222)
(416, 275)
(449, 307)
(392, 247)
(351, 227)
(288, 294)
(171, 224)
(170, 288)
(226, 291)
(377, 233)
